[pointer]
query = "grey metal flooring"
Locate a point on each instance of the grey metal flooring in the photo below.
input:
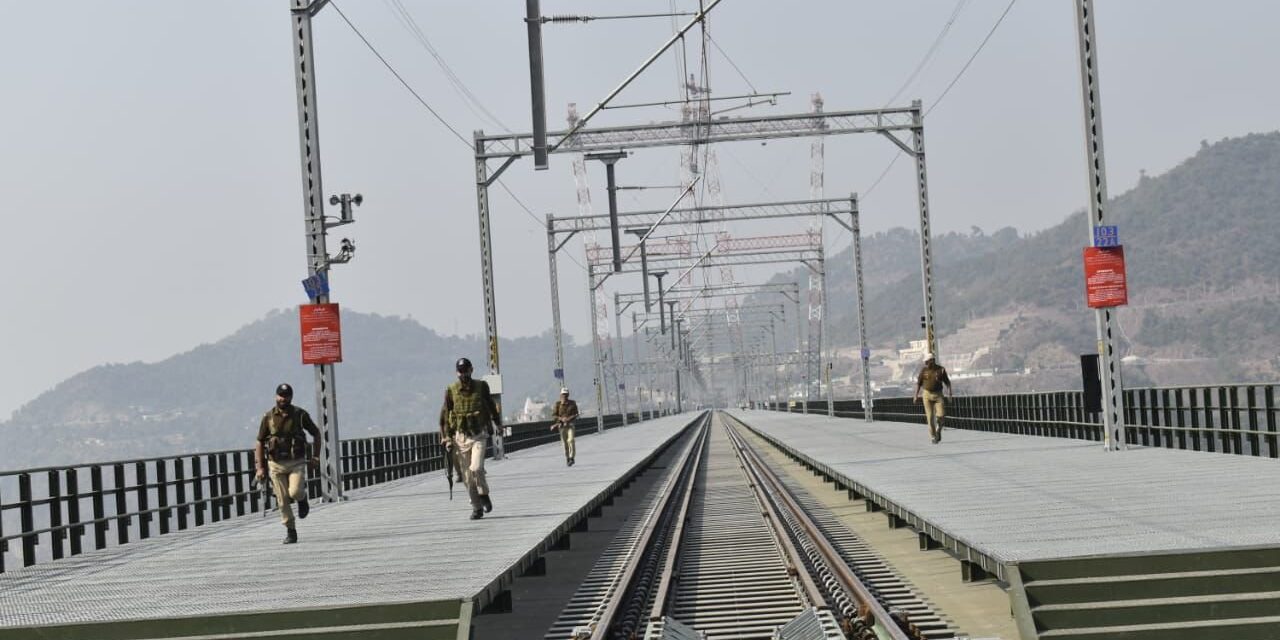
(1021, 498)
(402, 541)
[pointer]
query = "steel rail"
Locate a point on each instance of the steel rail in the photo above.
(869, 606)
(687, 470)
(610, 578)
(730, 575)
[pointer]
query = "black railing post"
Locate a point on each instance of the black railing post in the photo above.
(1231, 409)
(27, 516)
(162, 496)
(380, 460)
(1269, 406)
(1251, 404)
(144, 500)
(4, 544)
(238, 465)
(180, 484)
(345, 460)
(99, 508)
(122, 505)
(1203, 439)
(1160, 419)
(224, 484)
(55, 514)
(215, 498)
(73, 511)
(197, 490)
(1224, 422)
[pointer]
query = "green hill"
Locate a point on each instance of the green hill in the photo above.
(391, 381)
(1202, 252)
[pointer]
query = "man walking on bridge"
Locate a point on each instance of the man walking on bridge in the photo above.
(467, 418)
(562, 416)
(931, 378)
(281, 437)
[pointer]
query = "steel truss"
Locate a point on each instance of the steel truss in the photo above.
(831, 207)
(892, 123)
(510, 147)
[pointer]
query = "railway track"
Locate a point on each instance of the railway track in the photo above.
(724, 546)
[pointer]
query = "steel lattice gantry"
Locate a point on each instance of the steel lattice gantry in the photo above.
(804, 248)
(678, 252)
(903, 126)
(738, 251)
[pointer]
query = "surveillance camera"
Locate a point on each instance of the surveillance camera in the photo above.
(333, 200)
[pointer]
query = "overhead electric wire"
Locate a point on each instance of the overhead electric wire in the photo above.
(990, 33)
(732, 64)
(470, 148)
(933, 49)
(945, 91)
(403, 82)
(460, 87)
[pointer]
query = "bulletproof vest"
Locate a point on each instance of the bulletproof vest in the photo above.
(931, 379)
(469, 415)
(287, 440)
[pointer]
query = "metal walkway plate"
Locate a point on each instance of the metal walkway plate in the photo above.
(1009, 498)
(401, 543)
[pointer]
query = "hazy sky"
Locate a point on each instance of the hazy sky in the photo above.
(151, 183)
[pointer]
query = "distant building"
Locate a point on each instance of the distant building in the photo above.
(533, 411)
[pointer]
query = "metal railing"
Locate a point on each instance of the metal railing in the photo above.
(58, 507)
(1240, 419)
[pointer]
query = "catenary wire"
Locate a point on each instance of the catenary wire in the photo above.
(441, 120)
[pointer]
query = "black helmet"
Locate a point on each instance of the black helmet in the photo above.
(462, 364)
(284, 390)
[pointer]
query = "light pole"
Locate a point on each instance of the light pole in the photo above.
(317, 226)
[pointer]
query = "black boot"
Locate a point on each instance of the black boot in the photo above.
(488, 504)
(291, 537)
(476, 513)
(304, 508)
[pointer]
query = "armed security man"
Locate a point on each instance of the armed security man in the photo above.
(562, 416)
(281, 437)
(467, 418)
(931, 379)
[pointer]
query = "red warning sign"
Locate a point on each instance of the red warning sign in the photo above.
(1104, 278)
(321, 333)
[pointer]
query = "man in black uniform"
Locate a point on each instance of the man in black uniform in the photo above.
(282, 439)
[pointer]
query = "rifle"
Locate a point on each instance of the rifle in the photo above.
(451, 465)
(263, 485)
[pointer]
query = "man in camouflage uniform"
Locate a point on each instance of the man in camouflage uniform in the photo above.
(562, 417)
(931, 379)
(467, 418)
(281, 439)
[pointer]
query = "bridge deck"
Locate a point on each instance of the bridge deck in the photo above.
(395, 556)
(1002, 499)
